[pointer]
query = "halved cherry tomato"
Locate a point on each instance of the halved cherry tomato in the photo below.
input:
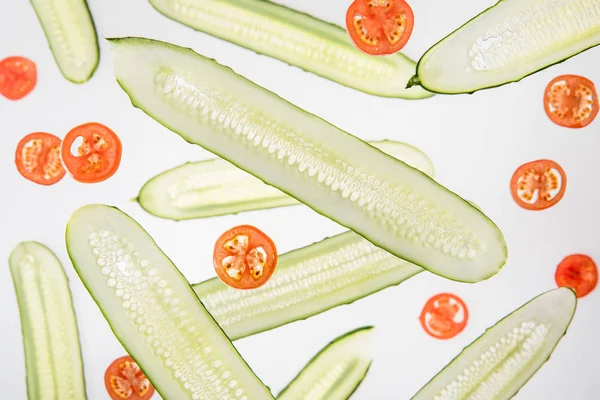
(18, 77)
(444, 316)
(538, 185)
(98, 156)
(38, 158)
(571, 101)
(379, 27)
(578, 272)
(244, 257)
(125, 380)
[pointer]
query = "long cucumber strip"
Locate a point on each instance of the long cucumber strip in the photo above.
(216, 187)
(508, 42)
(308, 281)
(395, 206)
(503, 359)
(336, 371)
(54, 369)
(153, 311)
(298, 39)
(71, 34)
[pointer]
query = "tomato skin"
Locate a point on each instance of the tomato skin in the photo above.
(578, 272)
(125, 371)
(18, 77)
(379, 21)
(565, 93)
(47, 169)
(441, 324)
(538, 168)
(255, 239)
(99, 155)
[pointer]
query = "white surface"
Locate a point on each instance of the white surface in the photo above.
(475, 142)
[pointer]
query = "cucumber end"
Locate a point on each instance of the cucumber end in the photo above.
(413, 81)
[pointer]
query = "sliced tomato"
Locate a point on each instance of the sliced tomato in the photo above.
(379, 27)
(538, 185)
(244, 257)
(444, 316)
(98, 155)
(124, 380)
(18, 77)
(571, 101)
(578, 272)
(38, 158)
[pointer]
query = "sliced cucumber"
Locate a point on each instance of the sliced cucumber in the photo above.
(153, 311)
(503, 359)
(308, 281)
(298, 39)
(508, 42)
(393, 205)
(53, 365)
(336, 371)
(216, 187)
(71, 34)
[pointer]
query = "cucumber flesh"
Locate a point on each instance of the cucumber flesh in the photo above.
(298, 39)
(508, 42)
(393, 205)
(502, 360)
(336, 371)
(71, 34)
(153, 311)
(53, 365)
(216, 187)
(308, 281)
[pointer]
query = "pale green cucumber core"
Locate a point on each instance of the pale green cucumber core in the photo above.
(71, 34)
(298, 39)
(54, 369)
(507, 42)
(391, 204)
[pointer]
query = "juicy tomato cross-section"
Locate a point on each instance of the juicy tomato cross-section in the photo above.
(124, 380)
(38, 158)
(98, 155)
(379, 27)
(578, 272)
(18, 77)
(244, 257)
(444, 316)
(538, 185)
(571, 101)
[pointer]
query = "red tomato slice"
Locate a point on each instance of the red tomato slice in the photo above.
(571, 101)
(98, 156)
(244, 257)
(18, 77)
(444, 316)
(38, 158)
(125, 380)
(578, 272)
(379, 27)
(538, 185)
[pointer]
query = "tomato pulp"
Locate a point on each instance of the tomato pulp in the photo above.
(38, 158)
(571, 101)
(379, 27)
(244, 257)
(444, 316)
(124, 380)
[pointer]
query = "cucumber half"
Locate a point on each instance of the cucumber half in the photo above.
(508, 42)
(153, 311)
(395, 206)
(53, 365)
(503, 359)
(308, 281)
(215, 187)
(71, 34)
(336, 371)
(297, 39)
